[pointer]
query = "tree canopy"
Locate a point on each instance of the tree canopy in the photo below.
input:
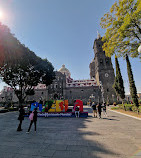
(20, 68)
(123, 28)
(118, 83)
(133, 90)
(10, 48)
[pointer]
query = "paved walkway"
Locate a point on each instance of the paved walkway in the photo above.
(116, 136)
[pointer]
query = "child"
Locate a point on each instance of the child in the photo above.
(34, 119)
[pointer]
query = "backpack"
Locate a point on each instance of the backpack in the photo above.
(94, 106)
(31, 116)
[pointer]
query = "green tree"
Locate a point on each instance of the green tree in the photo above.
(20, 68)
(133, 91)
(23, 78)
(10, 48)
(123, 28)
(118, 84)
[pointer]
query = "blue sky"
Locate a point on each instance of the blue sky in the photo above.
(63, 31)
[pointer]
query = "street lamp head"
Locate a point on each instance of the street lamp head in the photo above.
(139, 49)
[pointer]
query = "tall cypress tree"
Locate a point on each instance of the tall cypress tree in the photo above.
(118, 84)
(133, 90)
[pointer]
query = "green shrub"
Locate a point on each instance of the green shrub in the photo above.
(3, 110)
(13, 109)
(115, 108)
(120, 106)
(135, 109)
(129, 107)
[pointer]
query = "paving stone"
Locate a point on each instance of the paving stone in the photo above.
(67, 154)
(111, 137)
(77, 148)
(6, 155)
(56, 147)
(46, 152)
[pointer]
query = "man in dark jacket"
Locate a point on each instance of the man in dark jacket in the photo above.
(94, 109)
(21, 117)
(99, 110)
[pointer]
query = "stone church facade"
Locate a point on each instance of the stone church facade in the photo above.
(101, 69)
(97, 88)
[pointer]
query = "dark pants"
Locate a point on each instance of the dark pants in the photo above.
(31, 125)
(19, 127)
(99, 113)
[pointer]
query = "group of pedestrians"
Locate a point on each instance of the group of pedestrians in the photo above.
(32, 117)
(97, 109)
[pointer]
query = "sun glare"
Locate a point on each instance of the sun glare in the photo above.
(1, 14)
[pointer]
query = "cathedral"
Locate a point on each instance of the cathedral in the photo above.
(97, 88)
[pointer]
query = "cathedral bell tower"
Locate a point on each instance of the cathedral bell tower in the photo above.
(101, 69)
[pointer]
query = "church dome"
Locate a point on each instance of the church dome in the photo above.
(65, 71)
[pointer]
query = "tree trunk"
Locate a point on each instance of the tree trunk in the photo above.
(123, 105)
(138, 110)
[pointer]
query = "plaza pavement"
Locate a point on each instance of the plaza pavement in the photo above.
(116, 136)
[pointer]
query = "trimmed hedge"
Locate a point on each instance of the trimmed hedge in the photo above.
(129, 107)
(3, 110)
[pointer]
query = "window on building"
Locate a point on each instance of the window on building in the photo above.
(107, 61)
(107, 89)
(101, 61)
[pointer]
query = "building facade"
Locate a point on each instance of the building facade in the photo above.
(98, 87)
(101, 69)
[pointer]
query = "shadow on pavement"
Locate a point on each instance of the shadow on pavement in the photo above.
(55, 138)
(110, 119)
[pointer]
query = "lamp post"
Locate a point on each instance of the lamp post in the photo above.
(139, 49)
(102, 90)
(113, 97)
(2, 100)
(81, 94)
(92, 97)
(62, 87)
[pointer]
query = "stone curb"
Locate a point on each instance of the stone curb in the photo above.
(125, 114)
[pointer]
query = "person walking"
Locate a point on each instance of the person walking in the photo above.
(94, 109)
(33, 118)
(99, 110)
(104, 109)
(90, 103)
(21, 117)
